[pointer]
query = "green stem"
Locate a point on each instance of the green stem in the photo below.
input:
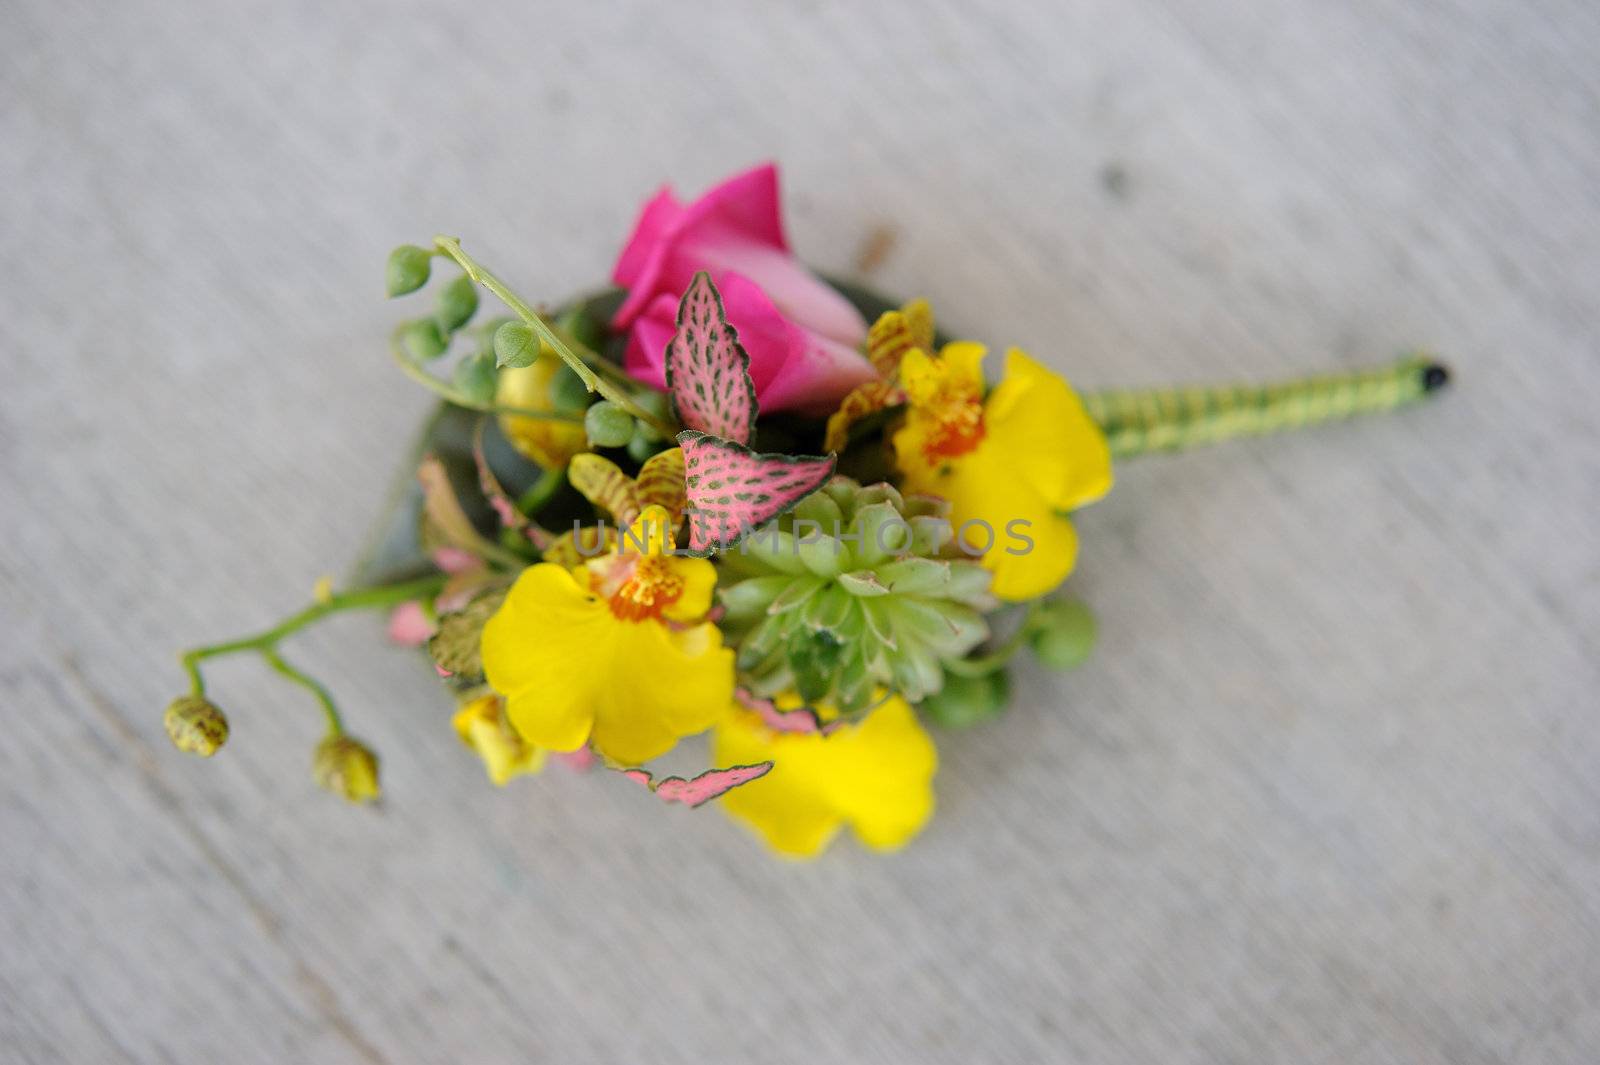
(311, 684)
(541, 492)
(983, 665)
(267, 640)
(417, 373)
(1142, 421)
(592, 381)
(594, 360)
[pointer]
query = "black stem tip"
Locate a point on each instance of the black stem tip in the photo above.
(1435, 376)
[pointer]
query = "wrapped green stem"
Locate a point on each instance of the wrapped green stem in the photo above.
(1141, 421)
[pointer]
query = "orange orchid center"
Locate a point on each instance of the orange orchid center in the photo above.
(636, 587)
(955, 423)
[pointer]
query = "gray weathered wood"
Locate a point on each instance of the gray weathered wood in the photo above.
(1327, 793)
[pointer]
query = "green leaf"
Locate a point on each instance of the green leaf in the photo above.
(655, 403)
(407, 270)
(915, 672)
(584, 327)
(1063, 635)
(749, 599)
(852, 687)
(515, 346)
(774, 548)
(828, 610)
(423, 340)
(822, 509)
(968, 701)
(946, 627)
(567, 391)
(608, 425)
(762, 640)
(882, 532)
(475, 378)
(457, 304)
(969, 584)
(916, 576)
(824, 557)
(643, 444)
(799, 590)
(862, 583)
(815, 661)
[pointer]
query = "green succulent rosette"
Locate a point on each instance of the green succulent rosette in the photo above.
(857, 589)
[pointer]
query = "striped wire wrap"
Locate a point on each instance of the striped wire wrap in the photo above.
(1143, 421)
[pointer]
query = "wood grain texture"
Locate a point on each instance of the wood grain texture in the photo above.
(1328, 791)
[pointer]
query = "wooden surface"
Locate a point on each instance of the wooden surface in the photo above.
(1328, 791)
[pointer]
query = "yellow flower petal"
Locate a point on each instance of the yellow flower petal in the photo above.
(660, 685)
(790, 808)
(962, 365)
(660, 481)
(482, 725)
(1024, 570)
(602, 482)
(1040, 456)
(574, 548)
(541, 651)
(699, 578)
(875, 775)
(571, 670)
(549, 443)
(1036, 418)
(649, 534)
(897, 332)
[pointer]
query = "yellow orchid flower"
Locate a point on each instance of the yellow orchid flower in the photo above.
(660, 482)
(891, 336)
(545, 441)
(614, 652)
(1029, 453)
(482, 725)
(875, 774)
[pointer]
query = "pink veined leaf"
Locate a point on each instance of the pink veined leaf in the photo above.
(700, 789)
(708, 371)
(733, 491)
(802, 721)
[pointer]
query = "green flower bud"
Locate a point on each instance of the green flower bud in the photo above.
(455, 646)
(457, 304)
(515, 345)
(967, 701)
(655, 403)
(423, 339)
(476, 378)
(1063, 634)
(196, 725)
(568, 393)
(608, 425)
(583, 327)
(407, 270)
(644, 443)
(345, 766)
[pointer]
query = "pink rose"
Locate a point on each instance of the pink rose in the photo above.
(802, 336)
